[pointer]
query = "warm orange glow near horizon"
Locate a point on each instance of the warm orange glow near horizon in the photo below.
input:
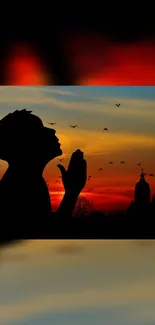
(107, 197)
(103, 191)
(106, 200)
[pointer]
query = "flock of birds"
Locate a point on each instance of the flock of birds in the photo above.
(76, 125)
(101, 169)
(110, 162)
(72, 126)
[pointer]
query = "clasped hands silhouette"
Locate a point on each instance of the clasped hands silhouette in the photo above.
(74, 178)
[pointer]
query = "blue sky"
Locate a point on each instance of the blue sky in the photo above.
(147, 92)
(89, 106)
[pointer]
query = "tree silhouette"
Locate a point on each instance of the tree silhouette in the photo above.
(83, 207)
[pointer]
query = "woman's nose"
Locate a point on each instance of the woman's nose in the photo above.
(53, 131)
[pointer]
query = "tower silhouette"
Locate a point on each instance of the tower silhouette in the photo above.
(142, 191)
(139, 209)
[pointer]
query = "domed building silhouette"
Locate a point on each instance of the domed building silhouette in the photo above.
(142, 194)
(142, 191)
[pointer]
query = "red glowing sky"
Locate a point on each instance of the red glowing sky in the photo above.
(93, 60)
(24, 67)
(97, 61)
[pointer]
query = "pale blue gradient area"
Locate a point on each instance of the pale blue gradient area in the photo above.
(90, 107)
(143, 92)
(89, 317)
(101, 282)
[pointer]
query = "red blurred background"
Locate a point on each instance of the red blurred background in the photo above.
(119, 50)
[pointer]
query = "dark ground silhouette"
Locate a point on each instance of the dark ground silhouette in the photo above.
(97, 225)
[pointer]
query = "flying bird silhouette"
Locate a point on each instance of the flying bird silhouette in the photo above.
(61, 159)
(52, 123)
(105, 129)
(122, 162)
(100, 169)
(151, 175)
(118, 105)
(139, 164)
(110, 162)
(57, 181)
(73, 126)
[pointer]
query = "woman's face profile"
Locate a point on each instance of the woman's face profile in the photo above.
(26, 139)
(51, 144)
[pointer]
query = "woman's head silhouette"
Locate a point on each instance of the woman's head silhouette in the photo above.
(24, 139)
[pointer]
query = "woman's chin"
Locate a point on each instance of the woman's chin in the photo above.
(59, 152)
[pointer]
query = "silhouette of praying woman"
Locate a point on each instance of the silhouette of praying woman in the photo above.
(27, 145)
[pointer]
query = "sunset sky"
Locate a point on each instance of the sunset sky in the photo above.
(130, 136)
(78, 282)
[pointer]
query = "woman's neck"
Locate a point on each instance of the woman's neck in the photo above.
(28, 169)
